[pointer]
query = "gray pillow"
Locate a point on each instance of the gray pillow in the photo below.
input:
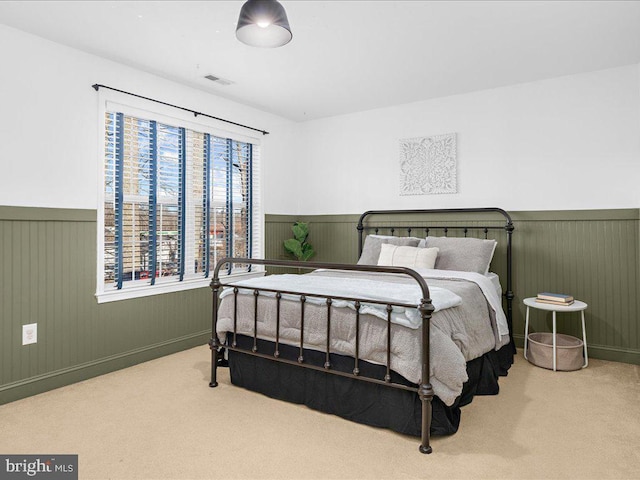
(464, 254)
(372, 246)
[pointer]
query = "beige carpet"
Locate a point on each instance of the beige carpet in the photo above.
(161, 420)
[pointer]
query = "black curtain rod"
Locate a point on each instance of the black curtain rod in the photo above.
(97, 86)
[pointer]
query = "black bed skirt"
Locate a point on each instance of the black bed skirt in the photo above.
(362, 402)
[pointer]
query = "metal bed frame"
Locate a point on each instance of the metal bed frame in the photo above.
(424, 390)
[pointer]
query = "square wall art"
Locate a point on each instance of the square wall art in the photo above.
(428, 165)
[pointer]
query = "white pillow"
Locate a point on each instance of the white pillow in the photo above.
(371, 248)
(410, 257)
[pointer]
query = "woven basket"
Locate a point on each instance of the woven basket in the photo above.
(568, 349)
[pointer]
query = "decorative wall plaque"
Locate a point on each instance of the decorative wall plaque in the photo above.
(428, 165)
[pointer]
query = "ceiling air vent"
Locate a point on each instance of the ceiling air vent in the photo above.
(218, 80)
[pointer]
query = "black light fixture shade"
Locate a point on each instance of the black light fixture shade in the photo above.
(263, 23)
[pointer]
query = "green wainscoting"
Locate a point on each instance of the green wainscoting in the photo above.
(591, 254)
(48, 265)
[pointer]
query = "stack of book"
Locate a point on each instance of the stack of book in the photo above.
(555, 298)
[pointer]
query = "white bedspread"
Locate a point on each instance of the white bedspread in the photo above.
(411, 294)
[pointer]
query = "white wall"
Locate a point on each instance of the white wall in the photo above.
(49, 115)
(565, 143)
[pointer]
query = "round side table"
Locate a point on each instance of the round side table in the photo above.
(576, 306)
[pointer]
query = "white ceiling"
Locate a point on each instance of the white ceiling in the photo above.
(346, 56)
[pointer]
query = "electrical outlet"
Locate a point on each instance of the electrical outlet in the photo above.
(30, 334)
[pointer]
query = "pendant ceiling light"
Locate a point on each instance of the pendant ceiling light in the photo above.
(263, 23)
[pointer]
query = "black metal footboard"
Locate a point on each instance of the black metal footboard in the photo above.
(424, 389)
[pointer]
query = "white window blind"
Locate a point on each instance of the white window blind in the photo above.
(176, 200)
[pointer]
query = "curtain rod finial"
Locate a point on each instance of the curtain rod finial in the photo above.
(95, 86)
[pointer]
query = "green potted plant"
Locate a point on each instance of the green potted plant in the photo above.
(298, 246)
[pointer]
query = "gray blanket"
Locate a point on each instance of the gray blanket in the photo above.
(458, 334)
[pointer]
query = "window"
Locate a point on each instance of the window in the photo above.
(176, 199)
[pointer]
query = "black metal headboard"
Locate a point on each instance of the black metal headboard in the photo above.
(425, 229)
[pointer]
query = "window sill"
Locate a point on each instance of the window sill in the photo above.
(140, 291)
